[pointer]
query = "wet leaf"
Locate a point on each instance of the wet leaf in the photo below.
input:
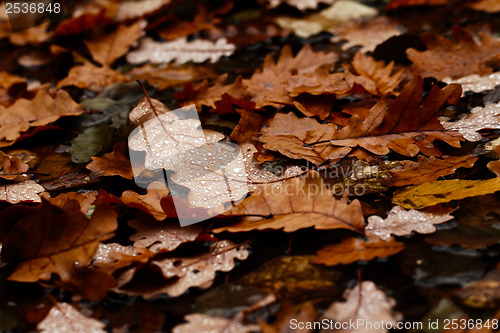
(11, 167)
(64, 318)
(27, 190)
(203, 323)
(401, 222)
(477, 83)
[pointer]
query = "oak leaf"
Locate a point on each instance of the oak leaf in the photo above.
(364, 302)
(106, 49)
(433, 193)
(129, 10)
(27, 190)
(85, 200)
(88, 76)
(296, 204)
(478, 119)
(11, 167)
(181, 50)
(299, 4)
(38, 254)
(427, 169)
(394, 4)
(489, 6)
(444, 58)
(149, 202)
(116, 163)
(353, 249)
(401, 222)
(43, 109)
(476, 83)
(64, 318)
(199, 322)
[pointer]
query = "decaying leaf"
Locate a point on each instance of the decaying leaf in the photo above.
(296, 204)
(115, 163)
(41, 110)
(427, 169)
(180, 50)
(328, 19)
(198, 322)
(354, 249)
(39, 254)
(64, 318)
(478, 119)
(477, 83)
(11, 167)
(444, 58)
(433, 193)
(88, 76)
(364, 302)
(105, 50)
(401, 222)
(27, 190)
(165, 236)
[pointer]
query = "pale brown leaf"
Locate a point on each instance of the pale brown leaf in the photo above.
(88, 76)
(476, 83)
(198, 322)
(11, 167)
(27, 190)
(64, 318)
(478, 119)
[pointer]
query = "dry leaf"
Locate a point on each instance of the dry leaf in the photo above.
(115, 163)
(444, 58)
(198, 322)
(478, 119)
(477, 83)
(39, 254)
(149, 202)
(32, 36)
(64, 318)
(430, 194)
(427, 169)
(11, 167)
(85, 200)
(401, 222)
(299, 4)
(164, 236)
(367, 34)
(181, 50)
(489, 6)
(105, 50)
(295, 205)
(406, 3)
(20, 192)
(88, 76)
(329, 19)
(364, 302)
(41, 110)
(483, 293)
(129, 10)
(353, 249)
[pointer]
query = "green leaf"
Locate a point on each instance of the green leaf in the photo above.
(91, 142)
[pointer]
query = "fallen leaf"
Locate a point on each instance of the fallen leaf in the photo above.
(296, 204)
(41, 110)
(401, 222)
(427, 169)
(198, 322)
(299, 4)
(367, 34)
(394, 4)
(353, 249)
(161, 236)
(129, 10)
(91, 142)
(488, 6)
(149, 202)
(476, 83)
(329, 19)
(181, 50)
(365, 303)
(20, 192)
(444, 58)
(116, 163)
(85, 200)
(304, 312)
(11, 167)
(64, 318)
(39, 254)
(81, 22)
(88, 76)
(478, 119)
(32, 36)
(105, 50)
(433, 193)
(482, 293)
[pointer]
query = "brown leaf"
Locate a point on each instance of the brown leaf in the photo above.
(116, 163)
(129, 10)
(41, 110)
(478, 119)
(64, 318)
(302, 313)
(394, 4)
(162, 237)
(85, 200)
(20, 192)
(198, 322)
(32, 36)
(11, 167)
(483, 293)
(353, 249)
(401, 222)
(295, 205)
(427, 169)
(88, 76)
(477, 83)
(106, 49)
(489, 6)
(181, 50)
(38, 253)
(149, 202)
(364, 302)
(299, 4)
(444, 58)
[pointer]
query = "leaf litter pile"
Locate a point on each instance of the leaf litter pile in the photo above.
(369, 133)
